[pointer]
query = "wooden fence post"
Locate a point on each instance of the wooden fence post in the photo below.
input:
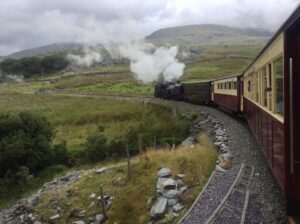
(103, 202)
(128, 162)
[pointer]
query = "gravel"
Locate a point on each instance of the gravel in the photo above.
(244, 149)
(212, 196)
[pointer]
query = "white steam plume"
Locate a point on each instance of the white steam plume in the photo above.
(90, 56)
(10, 78)
(149, 62)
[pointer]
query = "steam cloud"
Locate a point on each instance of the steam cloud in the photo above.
(149, 62)
(10, 78)
(90, 56)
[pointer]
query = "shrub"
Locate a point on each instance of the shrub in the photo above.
(25, 140)
(96, 148)
(60, 154)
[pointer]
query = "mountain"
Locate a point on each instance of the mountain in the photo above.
(44, 50)
(209, 34)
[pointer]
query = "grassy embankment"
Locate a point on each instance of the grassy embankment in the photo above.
(133, 196)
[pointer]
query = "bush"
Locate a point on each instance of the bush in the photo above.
(60, 154)
(96, 148)
(25, 140)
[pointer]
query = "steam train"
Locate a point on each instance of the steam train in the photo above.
(266, 93)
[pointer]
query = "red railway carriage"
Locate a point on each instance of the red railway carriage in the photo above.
(271, 108)
(226, 92)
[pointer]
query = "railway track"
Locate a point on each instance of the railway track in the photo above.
(225, 198)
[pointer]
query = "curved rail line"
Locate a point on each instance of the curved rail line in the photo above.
(231, 208)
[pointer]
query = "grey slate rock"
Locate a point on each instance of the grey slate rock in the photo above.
(171, 194)
(159, 208)
(160, 180)
(99, 218)
(164, 172)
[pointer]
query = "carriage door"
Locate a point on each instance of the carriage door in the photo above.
(292, 62)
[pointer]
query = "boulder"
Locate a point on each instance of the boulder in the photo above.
(225, 164)
(78, 222)
(101, 170)
(219, 169)
(178, 207)
(99, 218)
(173, 201)
(180, 175)
(56, 216)
(164, 172)
(189, 141)
(171, 194)
(160, 181)
(169, 184)
(92, 195)
(183, 189)
(160, 207)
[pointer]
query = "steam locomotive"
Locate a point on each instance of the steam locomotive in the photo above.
(266, 93)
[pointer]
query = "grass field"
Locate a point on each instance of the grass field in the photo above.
(77, 117)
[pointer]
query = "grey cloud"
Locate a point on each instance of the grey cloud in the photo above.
(31, 23)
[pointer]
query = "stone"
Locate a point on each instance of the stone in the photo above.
(217, 143)
(37, 222)
(56, 216)
(99, 218)
(173, 201)
(175, 215)
(78, 222)
(178, 207)
(101, 170)
(179, 183)
(164, 172)
(220, 169)
(225, 164)
(160, 207)
(169, 184)
(180, 175)
(92, 204)
(149, 201)
(183, 189)
(189, 141)
(93, 195)
(225, 156)
(171, 194)
(160, 180)
(82, 213)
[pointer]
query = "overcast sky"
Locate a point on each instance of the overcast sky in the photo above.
(31, 23)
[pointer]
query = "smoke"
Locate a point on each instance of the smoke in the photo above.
(10, 78)
(149, 63)
(90, 57)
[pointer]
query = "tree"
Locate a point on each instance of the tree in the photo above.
(25, 140)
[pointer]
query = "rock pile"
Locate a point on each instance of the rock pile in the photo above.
(22, 211)
(169, 192)
(221, 141)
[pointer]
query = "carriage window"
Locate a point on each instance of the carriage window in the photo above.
(278, 72)
(234, 84)
(270, 85)
(229, 85)
(264, 87)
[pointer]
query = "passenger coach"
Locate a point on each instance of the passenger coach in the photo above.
(272, 106)
(227, 92)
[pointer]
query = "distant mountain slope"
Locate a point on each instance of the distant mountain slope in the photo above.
(44, 50)
(208, 34)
